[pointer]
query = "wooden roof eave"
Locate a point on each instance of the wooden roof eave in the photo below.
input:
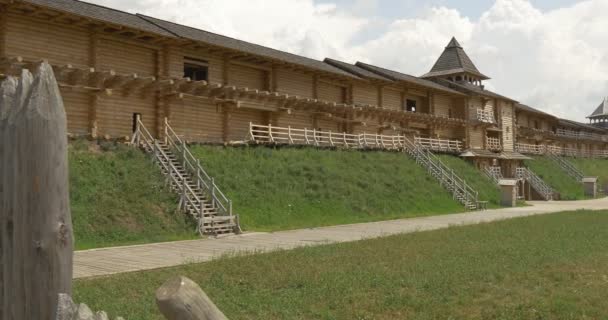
(99, 25)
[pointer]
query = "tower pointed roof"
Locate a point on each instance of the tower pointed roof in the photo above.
(601, 111)
(454, 60)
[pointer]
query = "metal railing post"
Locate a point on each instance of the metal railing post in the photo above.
(213, 191)
(185, 201)
(198, 174)
(166, 130)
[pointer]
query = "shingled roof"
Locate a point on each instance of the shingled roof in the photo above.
(469, 88)
(101, 13)
(533, 110)
(398, 76)
(243, 46)
(454, 60)
(358, 71)
(576, 124)
(601, 111)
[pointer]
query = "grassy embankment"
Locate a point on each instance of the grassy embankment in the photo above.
(541, 267)
(118, 197)
(593, 167)
(488, 191)
(288, 188)
(557, 178)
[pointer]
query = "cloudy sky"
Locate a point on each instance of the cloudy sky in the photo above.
(550, 54)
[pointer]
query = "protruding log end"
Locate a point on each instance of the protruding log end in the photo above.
(182, 299)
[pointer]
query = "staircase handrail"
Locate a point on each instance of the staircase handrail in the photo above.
(187, 193)
(493, 173)
(537, 183)
(570, 169)
(466, 188)
(447, 175)
(206, 182)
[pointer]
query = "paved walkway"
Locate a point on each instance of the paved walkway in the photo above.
(107, 261)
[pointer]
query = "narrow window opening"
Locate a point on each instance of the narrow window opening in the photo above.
(196, 70)
(410, 105)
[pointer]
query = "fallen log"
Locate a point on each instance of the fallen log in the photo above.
(182, 299)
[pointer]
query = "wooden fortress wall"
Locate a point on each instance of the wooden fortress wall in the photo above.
(198, 119)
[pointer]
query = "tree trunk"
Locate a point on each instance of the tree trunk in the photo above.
(182, 299)
(37, 240)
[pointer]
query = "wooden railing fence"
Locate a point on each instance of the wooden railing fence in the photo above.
(571, 152)
(292, 136)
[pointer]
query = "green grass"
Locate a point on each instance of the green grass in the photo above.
(593, 167)
(542, 267)
(557, 178)
(488, 191)
(118, 197)
(289, 188)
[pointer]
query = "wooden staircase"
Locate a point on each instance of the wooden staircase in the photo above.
(199, 195)
(543, 189)
(457, 186)
(494, 173)
(566, 166)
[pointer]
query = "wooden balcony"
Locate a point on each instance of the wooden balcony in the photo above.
(580, 135)
(530, 148)
(440, 145)
(485, 116)
(571, 152)
(493, 144)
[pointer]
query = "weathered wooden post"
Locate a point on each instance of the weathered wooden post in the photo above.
(7, 95)
(36, 222)
(182, 299)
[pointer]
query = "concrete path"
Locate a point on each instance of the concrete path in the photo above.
(101, 262)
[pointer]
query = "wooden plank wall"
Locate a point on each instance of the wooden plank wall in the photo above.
(365, 94)
(77, 113)
(443, 105)
(126, 58)
(474, 104)
(476, 138)
(115, 114)
(238, 123)
(297, 119)
(294, 83)
(392, 98)
(331, 92)
(326, 124)
(197, 120)
(34, 39)
(247, 77)
(508, 136)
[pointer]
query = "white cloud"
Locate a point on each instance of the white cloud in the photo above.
(556, 60)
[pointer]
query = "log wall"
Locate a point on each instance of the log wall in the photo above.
(331, 92)
(392, 98)
(126, 58)
(34, 39)
(76, 107)
(297, 119)
(443, 105)
(365, 94)
(115, 114)
(247, 77)
(197, 120)
(238, 123)
(507, 114)
(294, 83)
